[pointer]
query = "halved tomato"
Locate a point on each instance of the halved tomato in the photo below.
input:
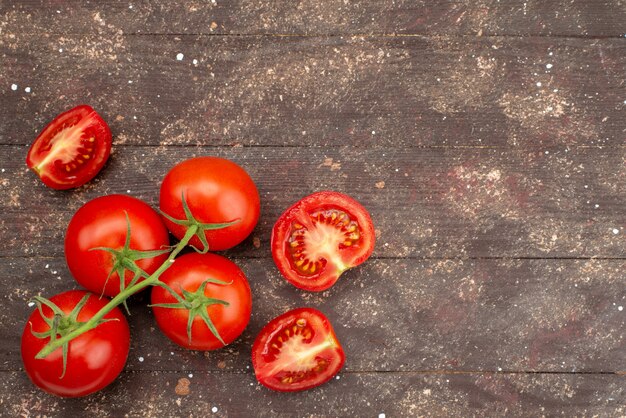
(320, 237)
(71, 150)
(297, 351)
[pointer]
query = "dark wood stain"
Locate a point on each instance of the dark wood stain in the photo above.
(581, 18)
(359, 92)
(485, 137)
(435, 202)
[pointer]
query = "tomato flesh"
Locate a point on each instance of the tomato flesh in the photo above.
(320, 237)
(297, 351)
(94, 358)
(71, 149)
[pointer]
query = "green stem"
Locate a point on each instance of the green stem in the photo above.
(121, 297)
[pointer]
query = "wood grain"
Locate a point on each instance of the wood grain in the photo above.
(371, 92)
(486, 137)
(309, 17)
(362, 394)
(395, 315)
(425, 203)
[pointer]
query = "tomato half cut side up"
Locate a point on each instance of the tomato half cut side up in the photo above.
(320, 237)
(71, 150)
(297, 351)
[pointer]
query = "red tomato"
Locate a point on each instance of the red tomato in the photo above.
(297, 351)
(101, 222)
(186, 277)
(94, 358)
(320, 237)
(216, 191)
(72, 149)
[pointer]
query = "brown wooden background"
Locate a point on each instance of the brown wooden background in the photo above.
(487, 138)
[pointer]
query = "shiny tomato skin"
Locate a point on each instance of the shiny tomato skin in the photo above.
(101, 222)
(343, 237)
(217, 191)
(188, 272)
(94, 358)
(304, 331)
(72, 149)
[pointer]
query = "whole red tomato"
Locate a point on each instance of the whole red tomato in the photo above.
(216, 191)
(225, 300)
(94, 359)
(102, 222)
(71, 149)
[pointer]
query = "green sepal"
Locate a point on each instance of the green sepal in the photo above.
(79, 306)
(196, 303)
(170, 291)
(200, 226)
(125, 259)
(40, 301)
(207, 320)
(59, 324)
(40, 335)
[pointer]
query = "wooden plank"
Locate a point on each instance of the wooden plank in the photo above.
(331, 92)
(433, 203)
(395, 315)
(425, 17)
(367, 394)
(487, 139)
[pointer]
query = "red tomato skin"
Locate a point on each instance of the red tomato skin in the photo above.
(94, 359)
(351, 256)
(323, 331)
(217, 190)
(53, 175)
(101, 222)
(188, 272)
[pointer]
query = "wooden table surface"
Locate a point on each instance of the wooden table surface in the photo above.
(486, 137)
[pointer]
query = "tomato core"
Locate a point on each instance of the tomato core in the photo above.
(296, 361)
(311, 245)
(68, 146)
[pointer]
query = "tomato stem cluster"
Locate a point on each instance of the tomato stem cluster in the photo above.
(96, 320)
(99, 254)
(125, 260)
